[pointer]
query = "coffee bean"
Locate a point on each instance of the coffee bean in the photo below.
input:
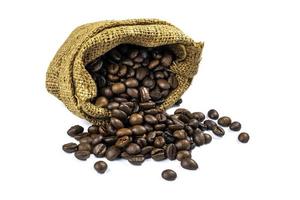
(141, 73)
(101, 101)
(153, 64)
(198, 116)
(99, 150)
(158, 154)
(136, 159)
(123, 141)
(159, 142)
(235, 126)
(150, 119)
(81, 135)
(116, 123)
(70, 147)
(124, 131)
(166, 60)
(107, 92)
(144, 92)
(194, 123)
(163, 84)
(210, 124)
(147, 105)
(112, 153)
(131, 83)
(136, 119)
(224, 121)
(117, 113)
(100, 167)
(208, 138)
(84, 147)
(169, 175)
(146, 150)
(180, 134)
(243, 137)
(133, 148)
(110, 140)
(128, 62)
(134, 53)
(148, 82)
(218, 131)
(95, 66)
(189, 164)
(113, 68)
(86, 139)
(183, 155)
(125, 155)
(213, 114)
(115, 54)
(138, 130)
(177, 103)
(134, 93)
(172, 80)
(171, 152)
(199, 139)
(93, 129)
(82, 155)
(118, 88)
(75, 130)
(183, 144)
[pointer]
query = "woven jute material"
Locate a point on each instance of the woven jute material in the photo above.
(69, 81)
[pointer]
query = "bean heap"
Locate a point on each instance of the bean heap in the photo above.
(132, 82)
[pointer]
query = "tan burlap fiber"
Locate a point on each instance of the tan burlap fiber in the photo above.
(68, 80)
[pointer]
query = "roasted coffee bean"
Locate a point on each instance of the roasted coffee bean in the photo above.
(185, 118)
(183, 155)
(213, 114)
(147, 105)
(169, 175)
(150, 119)
(218, 131)
(198, 116)
(208, 138)
(123, 141)
(128, 62)
(95, 66)
(158, 154)
(171, 151)
(133, 148)
(159, 142)
(235, 126)
(174, 127)
(131, 83)
(194, 123)
(106, 91)
(117, 113)
(177, 103)
(161, 118)
(172, 80)
(189, 164)
(113, 105)
(99, 150)
(210, 124)
(100, 167)
(110, 140)
(82, 155)
(179, 134)
(116, 123)
(113, 68)
(86, 139)
(146, 150)
(118, 88)
(199, 139)
(101, 101)
(163, 84)
(81, 135)
(125, 155)
(124, 131)
(189, 130)
(112, 153)
(141, 73)
(243, 137)
(144, 93)
(142, 142)
(115, 54)
(70, 147)
(138, 130)
(136, 159)
(134, 53)
(155, 94)
(84, 147)
(75, 130)
(93, 129)
(159, 127)
(203, 127)
(224, 121)
(138, 59)
(183, 144)
(111, 130)
(148, 127)
(136, 119)
(166, 60)
(148, 82)
(134, 93)
(101, 81)
(153, 64)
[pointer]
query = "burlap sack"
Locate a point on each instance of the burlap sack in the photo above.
(68, 80)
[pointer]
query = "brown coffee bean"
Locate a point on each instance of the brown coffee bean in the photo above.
(183, 144)
(123, 141)
(118, 88)
(136, 119)
(199, 139)
(136, 159)
(113, 105)
(171, 151)
(163, 84)
(183, 155)
(172, 80)
(101, 101)
(224, 121)
(213, 114)
(84, 147)
(141, 73)
(82, 155)
(243, 137)
(148, 82)
(158, 154)
(144, 93)
(146, 150)
(123, 132)
(116, 123)
(134, 93)
(208, 138)
(100, 167)
(150, 119)
(128, 62)
(194, 123)
(166, 60)
(138, 130)
(169, 175)
(112, 153)
(99, 150)
(113, 68)
(210, 124)
(218, 131)
(107, 92)
(125, 155)
(235, 126)
(93, 129)
(117, 113)
(153, 64)
(86, 139)
(75, 130)
(70, 147)
(159, 142)
(131, 83)
(198, 116)
(133, 148)
(180, 134)
(189, 164)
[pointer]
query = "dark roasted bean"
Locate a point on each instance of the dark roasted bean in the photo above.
(243, 137)
(169, 175)
(100, 167)
(235, 126)
(189, 164)
(70, 147)
(75, 130)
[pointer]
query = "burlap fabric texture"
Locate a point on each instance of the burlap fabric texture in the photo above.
(68, 80)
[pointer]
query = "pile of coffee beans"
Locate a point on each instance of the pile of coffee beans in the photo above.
(132, 82)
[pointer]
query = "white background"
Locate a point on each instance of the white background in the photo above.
(249, 71)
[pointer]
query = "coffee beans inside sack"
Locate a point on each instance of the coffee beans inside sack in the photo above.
(134, 85)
